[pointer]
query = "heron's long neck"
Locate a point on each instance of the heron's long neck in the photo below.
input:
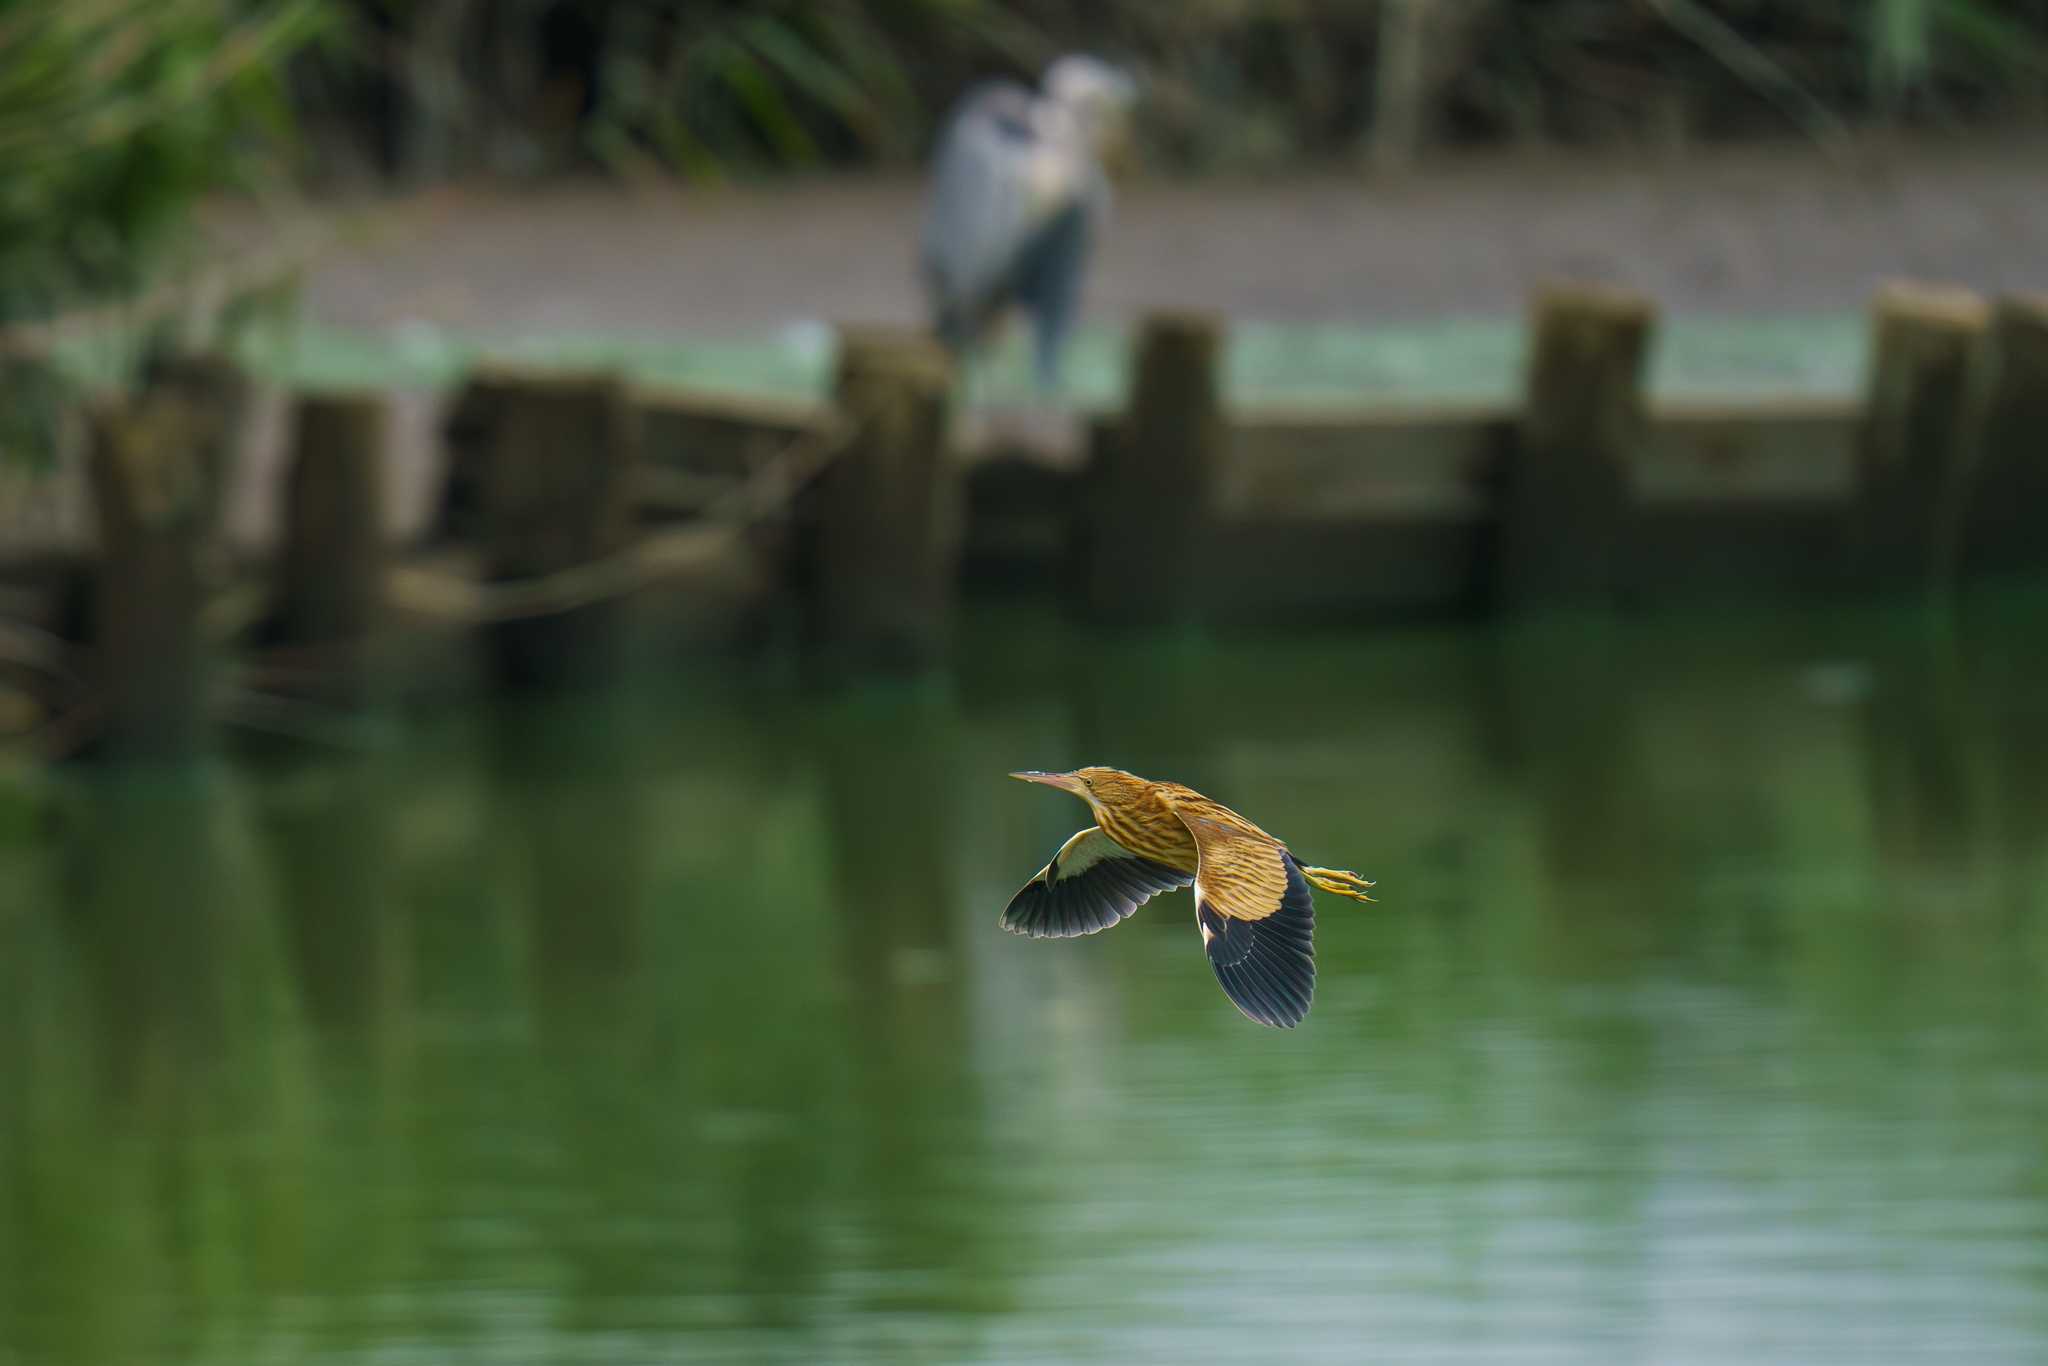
(1071, 126)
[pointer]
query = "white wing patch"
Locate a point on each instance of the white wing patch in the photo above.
(1091, 884)
(1082, 851)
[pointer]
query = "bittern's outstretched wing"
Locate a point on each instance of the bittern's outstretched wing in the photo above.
(1257, 920)
(1091, 884)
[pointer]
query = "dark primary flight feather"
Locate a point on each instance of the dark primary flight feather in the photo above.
(1091, 884)
(1266, 967)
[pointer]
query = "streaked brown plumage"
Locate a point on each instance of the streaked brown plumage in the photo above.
(1252, 901)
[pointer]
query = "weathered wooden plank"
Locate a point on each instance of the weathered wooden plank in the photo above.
(1428, 464)
(1783, 450)
(1293, 487)
(1733, 496)
(717, 434)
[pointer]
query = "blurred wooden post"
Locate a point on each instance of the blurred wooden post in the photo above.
(2007, 489)
(1566, 508)
(888, 515)
(146, 463)
(32, 392)
(1910, 456)
(213, 385)
(555, 494)
(469, 432)
(1152, 477)
(334, 553)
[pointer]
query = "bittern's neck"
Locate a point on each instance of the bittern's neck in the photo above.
(1080, 789)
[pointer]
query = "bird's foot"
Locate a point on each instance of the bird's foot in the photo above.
(1340, 881)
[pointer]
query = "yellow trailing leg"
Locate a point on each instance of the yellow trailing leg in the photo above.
(1339, 881)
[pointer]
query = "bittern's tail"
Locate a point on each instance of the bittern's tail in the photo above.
(1339, 881)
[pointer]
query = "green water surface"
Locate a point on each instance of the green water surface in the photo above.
(1703, 1019)
(1473, 359)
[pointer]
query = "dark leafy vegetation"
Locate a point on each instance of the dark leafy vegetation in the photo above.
(115, 115)
(714, 88)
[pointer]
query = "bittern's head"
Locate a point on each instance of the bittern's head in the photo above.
(1099, 787)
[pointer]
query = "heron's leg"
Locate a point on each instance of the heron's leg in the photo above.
(974, 381)
(1048, 339)
(1050, 287)
(971, 366)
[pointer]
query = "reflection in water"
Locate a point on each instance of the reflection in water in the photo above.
(938, 1236)
(157, 1103)
(1701, 1020)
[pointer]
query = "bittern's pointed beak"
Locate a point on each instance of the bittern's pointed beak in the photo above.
(1066, 782)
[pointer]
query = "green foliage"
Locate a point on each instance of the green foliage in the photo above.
(1578, 65)
(1901, 45)
(792, 82)
(712, 87)
(115, 115)
(709, 87)
(1911, 43)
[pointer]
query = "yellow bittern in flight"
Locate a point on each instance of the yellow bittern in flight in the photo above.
(1252, 902)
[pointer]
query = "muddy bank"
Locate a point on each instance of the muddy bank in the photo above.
(1756, 230)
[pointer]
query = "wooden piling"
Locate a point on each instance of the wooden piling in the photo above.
(1566, 505)
(556, 494)
(468, 432)
(1150, 488)
(213, 385)
(147, 466)
(1911, 448)
(334, 546)
(888, 530)
(1997, 518)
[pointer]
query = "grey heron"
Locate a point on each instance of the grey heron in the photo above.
(1018, 195)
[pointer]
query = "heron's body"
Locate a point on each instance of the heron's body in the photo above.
(1018, 194)
(1252, 900)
